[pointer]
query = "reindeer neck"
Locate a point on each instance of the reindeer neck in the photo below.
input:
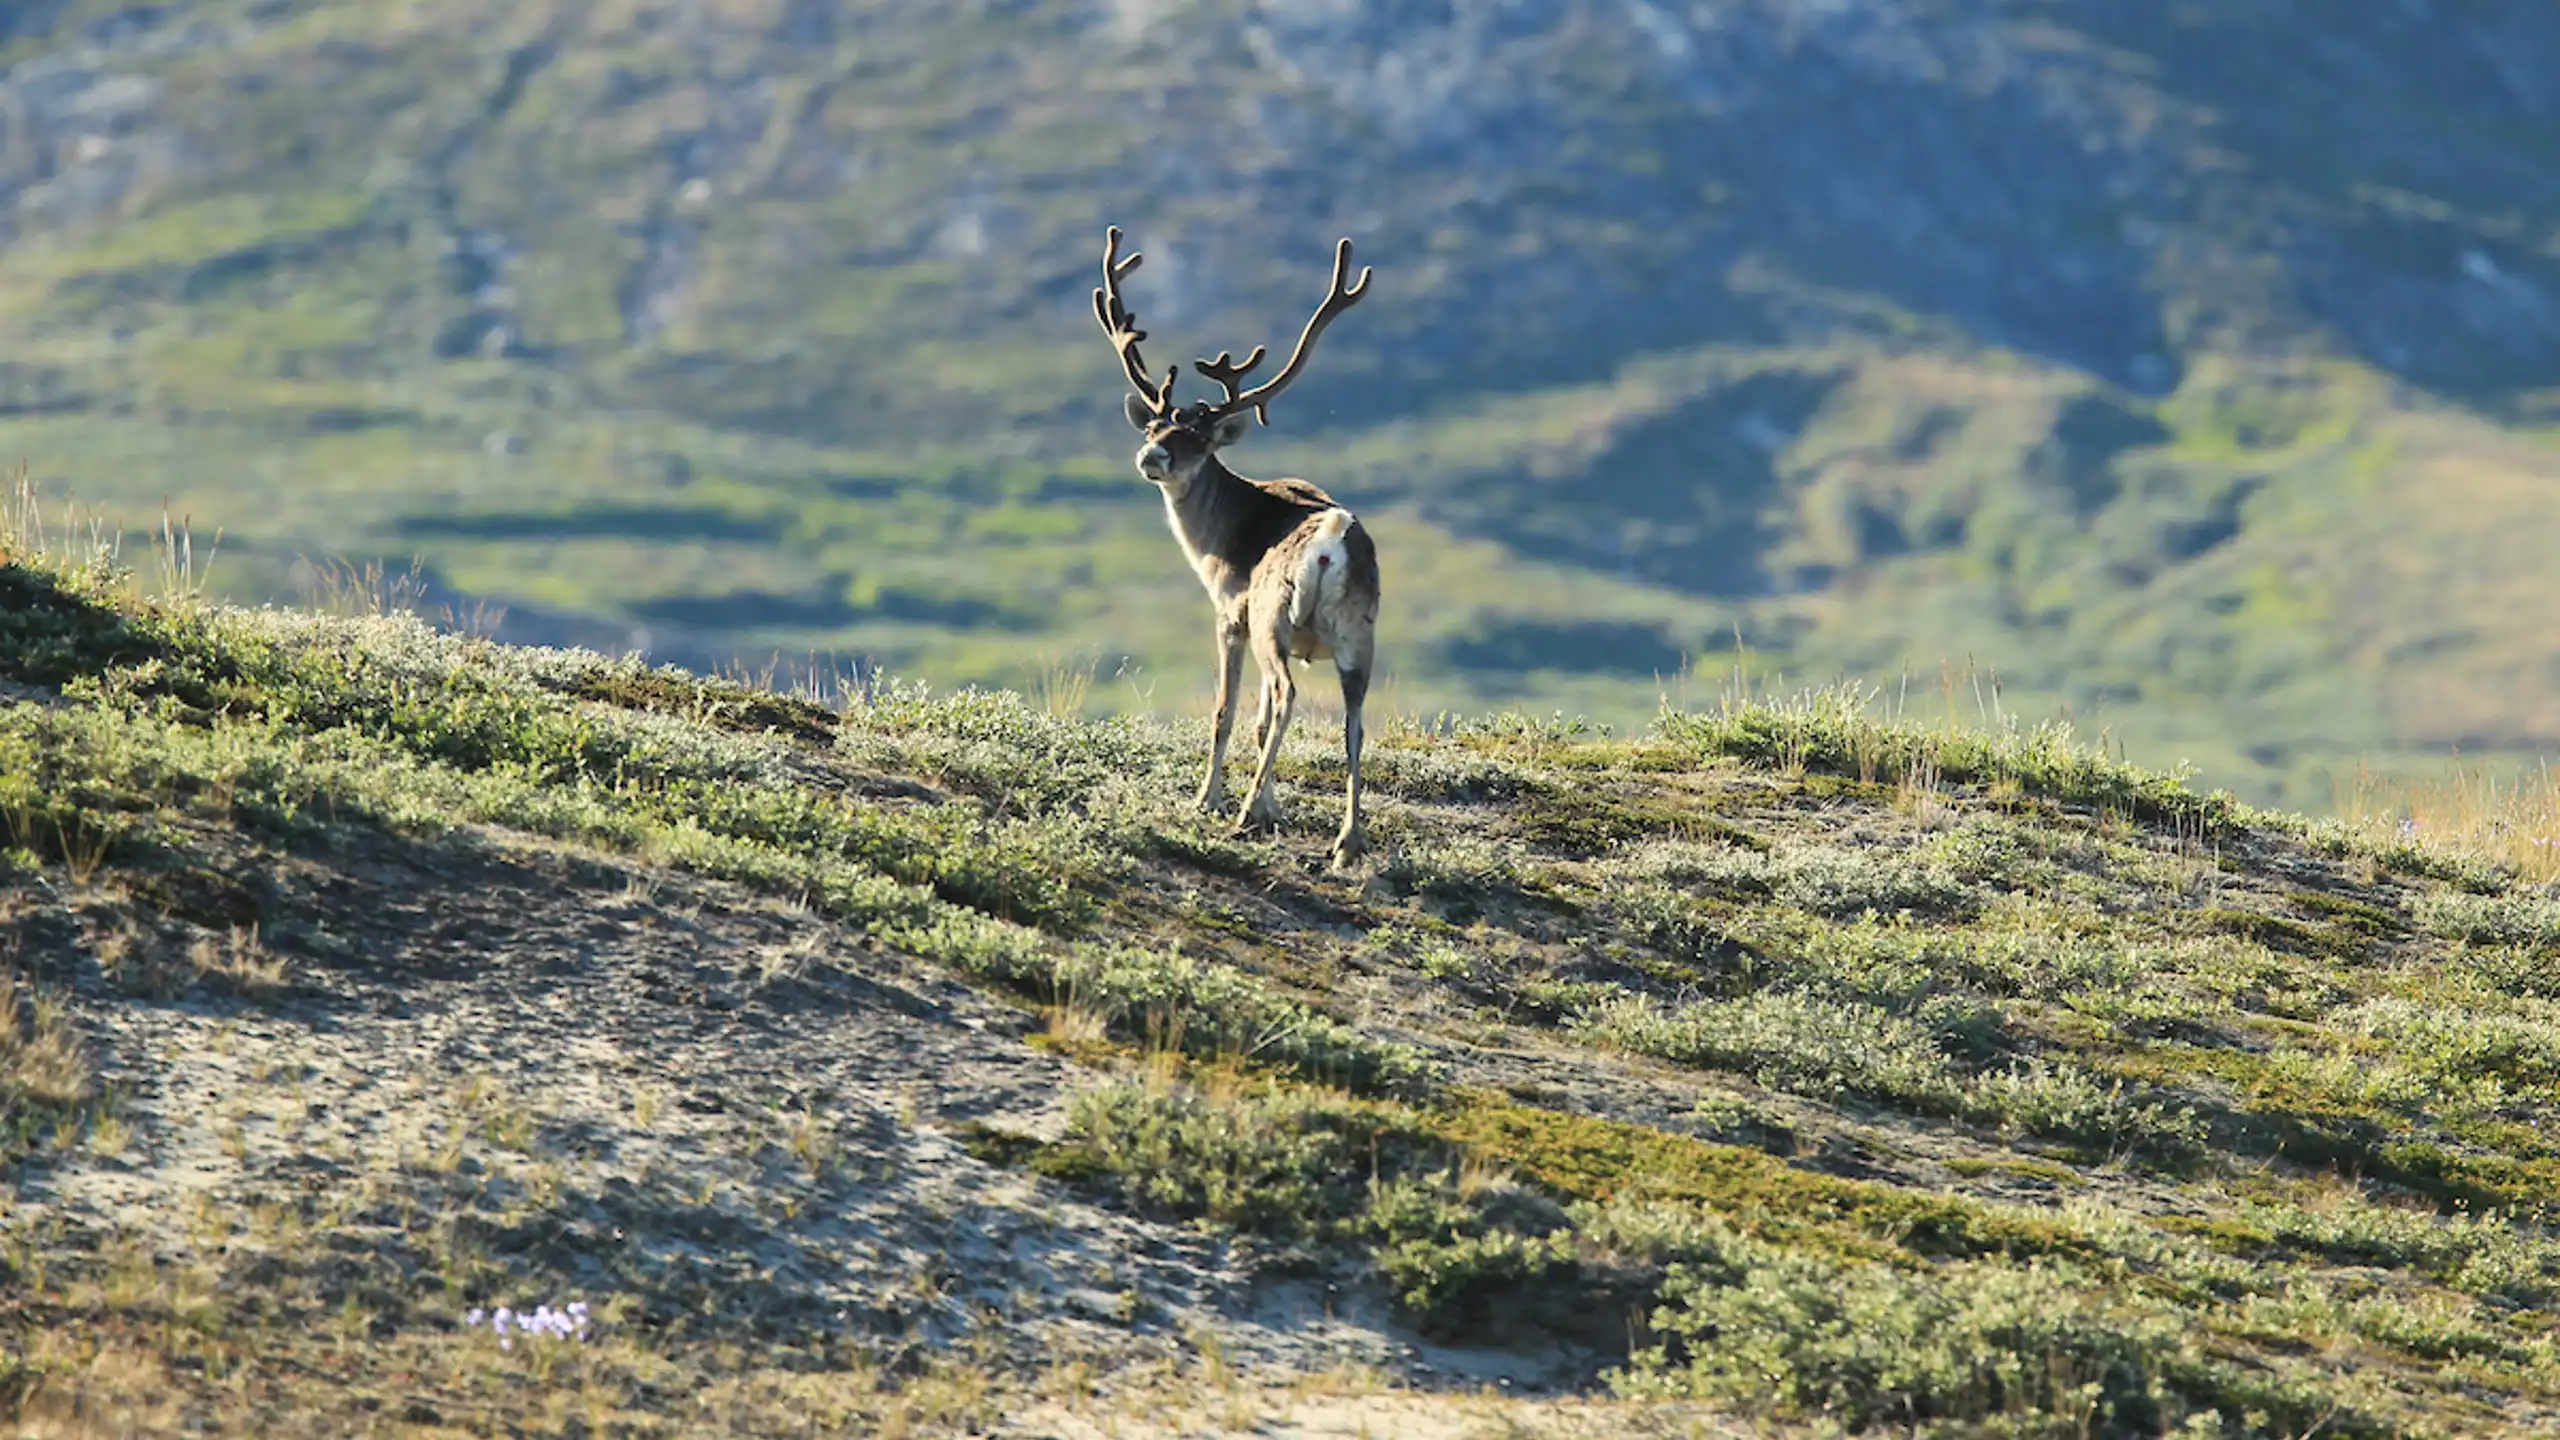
(1218, 498)
(1226, 522)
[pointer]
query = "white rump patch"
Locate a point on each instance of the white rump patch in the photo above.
(1324, 563)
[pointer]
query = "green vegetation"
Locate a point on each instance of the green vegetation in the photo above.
(1784, 1060)
(44, 1079)
(754, 331)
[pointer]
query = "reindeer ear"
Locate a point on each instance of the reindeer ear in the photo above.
(1140, 417)
(1231, 428)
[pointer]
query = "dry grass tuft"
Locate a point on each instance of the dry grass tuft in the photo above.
(2509, 818)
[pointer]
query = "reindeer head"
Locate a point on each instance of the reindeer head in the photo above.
(1179, 439)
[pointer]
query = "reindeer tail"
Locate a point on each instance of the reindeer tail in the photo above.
(1322, 567)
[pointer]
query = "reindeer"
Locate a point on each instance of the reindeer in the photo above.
(1289, 572)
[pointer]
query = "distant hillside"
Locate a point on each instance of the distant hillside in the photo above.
(2193, 367)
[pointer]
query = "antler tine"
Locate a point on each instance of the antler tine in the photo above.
(1226, 372)
(1342, 298)
(1121, 326)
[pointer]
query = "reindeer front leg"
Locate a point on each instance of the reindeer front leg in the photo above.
(1213, 790)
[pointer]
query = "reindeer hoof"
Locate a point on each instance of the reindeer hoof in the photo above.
(1347, 849)
(1209, 802)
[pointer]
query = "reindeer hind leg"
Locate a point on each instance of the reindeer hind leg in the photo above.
(1354, 838)
(1280, 692)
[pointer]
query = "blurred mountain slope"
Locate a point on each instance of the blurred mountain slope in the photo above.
(2191, 365)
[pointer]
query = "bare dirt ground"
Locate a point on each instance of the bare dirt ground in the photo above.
(685, 1104)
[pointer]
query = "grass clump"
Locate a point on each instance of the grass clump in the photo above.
(2473, 825)
(1791, 1040)
(1813, 1045)
(2061, 1100)
(1308, 1168)
(1000, 746)
(1581, 1159)
(2512, 940)
(1461, 874)
(52, 630)
(1212, 1010)
(1835, 732)
(1426, 950)
(2502, 1257)
(46, 1080)
(1288, 1164)
(1819, 880)
(2019, 1350)
(2518, 1042)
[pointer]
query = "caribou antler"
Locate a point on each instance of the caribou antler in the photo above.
(1122, 327)
(1258, 399)
(1227, 372)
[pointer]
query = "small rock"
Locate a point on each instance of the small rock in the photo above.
(1094, 1304)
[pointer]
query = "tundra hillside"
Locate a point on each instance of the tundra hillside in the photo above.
(2191, 365)
(915, 1063)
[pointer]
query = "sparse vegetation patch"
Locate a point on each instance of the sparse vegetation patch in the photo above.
(1697, 1069)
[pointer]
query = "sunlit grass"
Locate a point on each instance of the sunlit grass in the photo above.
(2506, 815)
(1929, 1005)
